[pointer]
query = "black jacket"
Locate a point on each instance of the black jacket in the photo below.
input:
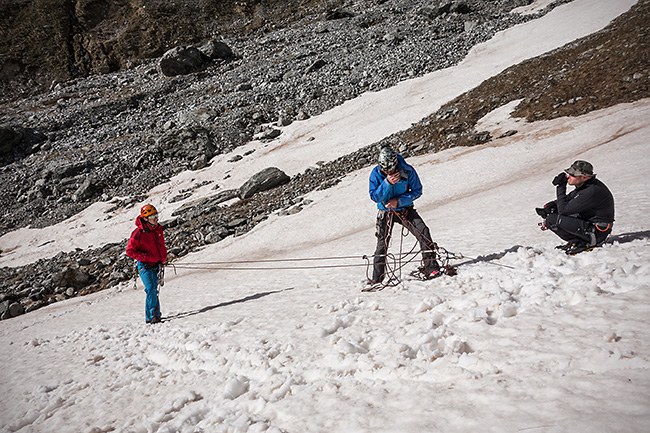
(591, 201)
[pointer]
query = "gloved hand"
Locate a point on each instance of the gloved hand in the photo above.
(560, 179)
(549, 208)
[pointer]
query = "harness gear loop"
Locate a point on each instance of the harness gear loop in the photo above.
(597, 225)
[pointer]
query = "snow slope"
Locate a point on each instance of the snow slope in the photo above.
(532, 342)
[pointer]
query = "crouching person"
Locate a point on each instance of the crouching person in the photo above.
(147, 246)
(584, 217)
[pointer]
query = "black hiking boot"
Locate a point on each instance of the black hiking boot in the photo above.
(433, 274)
(579, 247)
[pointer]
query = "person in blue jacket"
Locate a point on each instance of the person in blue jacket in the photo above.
(394, 186)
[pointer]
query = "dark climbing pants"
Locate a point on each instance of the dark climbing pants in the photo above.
(410, 219)
(572, 229)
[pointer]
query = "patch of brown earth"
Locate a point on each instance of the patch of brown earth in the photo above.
(599, 71)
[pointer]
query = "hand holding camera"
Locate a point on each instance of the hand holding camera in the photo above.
(560, 179)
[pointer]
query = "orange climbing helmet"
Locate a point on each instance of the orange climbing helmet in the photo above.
(148, 210)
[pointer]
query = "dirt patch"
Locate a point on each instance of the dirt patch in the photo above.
(599, 71)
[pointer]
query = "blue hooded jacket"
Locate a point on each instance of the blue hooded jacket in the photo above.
(406, 190)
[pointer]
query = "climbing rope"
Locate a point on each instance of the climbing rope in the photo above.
(394, 262)
(225, 265)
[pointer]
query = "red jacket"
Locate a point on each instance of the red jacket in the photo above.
(147, 243)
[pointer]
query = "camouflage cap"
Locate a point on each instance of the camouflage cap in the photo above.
(580, 168)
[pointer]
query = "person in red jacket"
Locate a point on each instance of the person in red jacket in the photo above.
(147, 246)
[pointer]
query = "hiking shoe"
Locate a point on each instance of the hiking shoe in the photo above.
(157, 319)
(434, 274)
(579, 247)
(373, 286)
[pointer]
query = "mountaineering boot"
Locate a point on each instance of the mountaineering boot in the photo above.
(579, 247)
(372, 286)
(428, 273)
(431, 271)
(434, 274)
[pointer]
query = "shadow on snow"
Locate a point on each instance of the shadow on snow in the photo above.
(225, 304)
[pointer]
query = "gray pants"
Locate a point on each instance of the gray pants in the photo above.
(412, 221)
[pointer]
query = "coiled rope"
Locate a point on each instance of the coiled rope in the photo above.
(395, 263)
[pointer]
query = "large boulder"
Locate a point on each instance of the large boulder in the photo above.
(88, 188)
(264, 180)
(17, 142)
(71, 276)
(181, 61)
(216, 50)
(9, 309)
(9, 138)
(192, 144)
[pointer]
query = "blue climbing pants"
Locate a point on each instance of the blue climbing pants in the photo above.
(149, 276)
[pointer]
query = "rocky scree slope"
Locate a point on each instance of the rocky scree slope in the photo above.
(601, 70)
(49, 41)
(118, 134)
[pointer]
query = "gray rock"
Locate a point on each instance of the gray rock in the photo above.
(85, 190)
(181, 61)
(4, 309)
(216, 50)
(264, 180)
(316, 66)
(9, 138)
(197, 207)
(270, 134)
(71, 276)
(284, 121)
(236, 223)
(470, 25)
(225, 195)
(189, 144)
(244, 87)
(16, 309)
(338, 14)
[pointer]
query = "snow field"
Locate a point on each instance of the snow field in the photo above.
(373, 352)
(532, 342)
